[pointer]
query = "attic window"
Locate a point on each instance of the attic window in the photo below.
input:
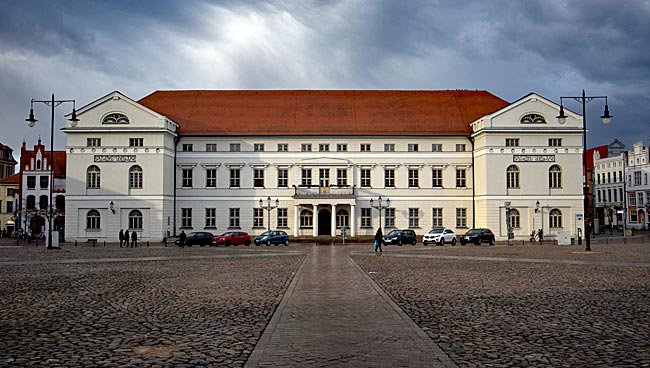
(532, 119)
(115, 118)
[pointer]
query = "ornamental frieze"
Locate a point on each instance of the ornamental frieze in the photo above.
(533, 158)
(114, 158)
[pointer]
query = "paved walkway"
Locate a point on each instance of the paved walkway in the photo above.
(333, 314)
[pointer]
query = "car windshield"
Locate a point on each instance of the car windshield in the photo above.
(266, 233)
(227, 233)
(393, 233)
(193, 234)
(436, 231)
(474, 232)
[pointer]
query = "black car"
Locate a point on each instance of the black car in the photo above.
(201, 238)
(400, 237)
(478, 236)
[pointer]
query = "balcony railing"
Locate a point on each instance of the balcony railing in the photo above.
(324, 192)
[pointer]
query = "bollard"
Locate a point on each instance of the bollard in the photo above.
(147, 243)
(104, 242)
(75, 242)
(165, 241)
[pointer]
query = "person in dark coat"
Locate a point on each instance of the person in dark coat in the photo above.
(181, 239)
(126, 238)
(379, 239)
(134, 239)
(121, 236)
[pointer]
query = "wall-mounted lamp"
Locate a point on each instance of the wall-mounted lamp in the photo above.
(112, 207)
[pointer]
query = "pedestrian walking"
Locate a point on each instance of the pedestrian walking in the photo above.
(126, 238)
(181, 239)
(379, 238)
(121, 236)
(134, 239)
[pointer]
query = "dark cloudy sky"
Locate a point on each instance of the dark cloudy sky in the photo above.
(85, 49)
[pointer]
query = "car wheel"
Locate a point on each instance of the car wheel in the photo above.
(227, 243)
(415, 241)
(248, 242)
(399, 242)
(453, 242)
(442, 242)
(286, 242)
(492, 241)
(268, 243)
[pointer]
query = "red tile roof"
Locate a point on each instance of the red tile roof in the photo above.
(323, 112)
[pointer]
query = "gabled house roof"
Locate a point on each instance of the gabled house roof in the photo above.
(323, 112)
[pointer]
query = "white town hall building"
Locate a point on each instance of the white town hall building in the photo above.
(202, 160)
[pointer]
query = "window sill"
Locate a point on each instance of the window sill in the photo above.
(414, 227)
(234, 228)
(283, 227)
(210, 227)
(462, 227)
(307, 227)
(258, 227)
(365, 227)
(93, 230)
(186, 227)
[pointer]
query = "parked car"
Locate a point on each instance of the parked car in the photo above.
(232, 238)
(272, 237)
(201, 238)
(400, 237)
(440, 236)
(478, 236)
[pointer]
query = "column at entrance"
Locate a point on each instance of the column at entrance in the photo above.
(333, 230)
(296, 220)
(315, 221)
(353, 220)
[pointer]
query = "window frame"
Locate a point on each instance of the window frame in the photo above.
(234, 218)
(235, 177)
(136, 142)
(461, 178)
(210, 218)
(136, 177)
(365, 180)
(414, 218)
(93, 220)
(389, 177)
(187, 177)
(93, 177)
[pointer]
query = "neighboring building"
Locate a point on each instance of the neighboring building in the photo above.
(7, 162)
(609, 186)
(8, 191)
(638, 189)
(196, 160)
(34, 194)
(590, 199)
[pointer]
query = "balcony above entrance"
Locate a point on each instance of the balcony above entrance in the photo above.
(323, 192)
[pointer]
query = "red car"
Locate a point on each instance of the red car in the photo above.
(232, 238)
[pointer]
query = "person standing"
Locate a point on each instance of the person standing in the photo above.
(181, 239)
(134, 239)
(121, 236)
(379, 239)
(126, 238)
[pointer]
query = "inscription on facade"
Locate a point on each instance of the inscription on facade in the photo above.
(114, 158)
(533, 158)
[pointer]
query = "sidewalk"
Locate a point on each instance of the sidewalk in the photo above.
(333, 314)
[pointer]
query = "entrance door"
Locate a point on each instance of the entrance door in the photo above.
(324, 222)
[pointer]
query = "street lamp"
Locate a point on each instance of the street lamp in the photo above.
(380, 206)
(269, 207)
(31, 122)
(112, 207)
(606, 118)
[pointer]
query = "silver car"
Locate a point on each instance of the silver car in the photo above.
(439, 236)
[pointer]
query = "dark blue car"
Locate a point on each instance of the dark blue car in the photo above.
(272, 237)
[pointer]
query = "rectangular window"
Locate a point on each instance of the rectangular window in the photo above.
(187, 147)
(211, 178)
(414, 178)
(366, 217)
(235, 147)
(461, 217)
(389, 178)
(306, 178)
(365, 178)
(389, 147)
(342, 177)
(365, 147)
(283, 147)
(210, 217)
(436, 147)
(93, 142)
(258, 181)
(44, 181)
(414, 217)
(283, 218)
(436, 176)
(323, 147)
(460, 148)
(186, 217)
(324, 178)
(555, 142)
(258, 217)
(258, 147)
(234, 178)
(136, 142)
(305, 147)
(461, 178)
(512, 142)
(31, 182)
(10, 207)
(637, 178)
(187, 178)
(413, 147)
(342, 147)
(437, 217)
(283, 178)
(234, 218)
(389, 217)
(211, 147)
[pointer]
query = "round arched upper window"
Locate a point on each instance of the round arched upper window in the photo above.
(115, 118)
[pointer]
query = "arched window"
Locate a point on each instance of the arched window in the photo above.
(31, 202)
(42, 202)
(555, 177)
(93, 177)
(135, 177)
(515, 221)
(306, 218)
(93, 220)
(555, 218)
(60, 202)
(342, 218)
(115, 118)
(512, 176)
(38, 164)
(532, 119)
(135, 220)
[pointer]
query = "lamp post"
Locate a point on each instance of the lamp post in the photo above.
(31, 121)
(269, 207)
(380, 206)
(536, 211)
(606, 118)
